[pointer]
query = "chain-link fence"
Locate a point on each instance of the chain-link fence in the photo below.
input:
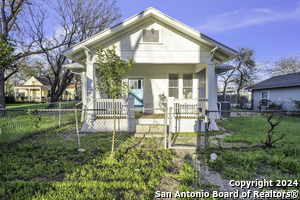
(253, 128)
(181, 128)
(186, 128)
(84, 128)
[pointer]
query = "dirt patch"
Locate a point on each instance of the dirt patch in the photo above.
(216, 141)
(209, 176)
(171, 184)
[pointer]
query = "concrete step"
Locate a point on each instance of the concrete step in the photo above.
(149, 135)
(150, 130)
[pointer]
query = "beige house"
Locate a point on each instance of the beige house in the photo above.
(37, 89)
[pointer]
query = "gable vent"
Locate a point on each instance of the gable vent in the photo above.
(151, 35)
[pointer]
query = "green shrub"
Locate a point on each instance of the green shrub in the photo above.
(10, 98)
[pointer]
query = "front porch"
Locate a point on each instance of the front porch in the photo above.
(32, 93)
(183, 108)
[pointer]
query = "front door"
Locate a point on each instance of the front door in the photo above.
(136, 91)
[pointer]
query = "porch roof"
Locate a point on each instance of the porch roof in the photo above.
(75, 67)
(223, 68)
(26, 87)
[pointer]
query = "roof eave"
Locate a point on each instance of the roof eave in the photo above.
(260, 88)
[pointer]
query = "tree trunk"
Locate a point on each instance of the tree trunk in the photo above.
(53, 100)
(75, 89)
(224, 90)
(2, 92)
(239, 98)
(113, 140)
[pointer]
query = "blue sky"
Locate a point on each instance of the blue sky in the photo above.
(272, 27)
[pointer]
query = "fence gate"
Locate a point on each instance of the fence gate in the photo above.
(185, 127)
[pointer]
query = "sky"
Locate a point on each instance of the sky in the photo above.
(271, 27)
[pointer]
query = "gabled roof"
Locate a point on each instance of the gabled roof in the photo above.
(206, 42)
(43, 81)
(287, 80)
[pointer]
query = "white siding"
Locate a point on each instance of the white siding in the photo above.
(174, 48)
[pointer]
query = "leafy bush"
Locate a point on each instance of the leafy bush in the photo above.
(275, 106)
(10, 98)
(297, 104)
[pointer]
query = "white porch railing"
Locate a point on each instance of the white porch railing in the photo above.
(104, 107)
(186, 107)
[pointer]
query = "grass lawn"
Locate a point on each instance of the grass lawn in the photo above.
(11, 105)
(279, 163)
(64, 173)
(33, 105)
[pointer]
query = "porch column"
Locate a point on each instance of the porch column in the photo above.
(211, 90)
(83, 93)
(41, 94)
(29, 95)
(171, 102)
(90, 83)
(130, 114)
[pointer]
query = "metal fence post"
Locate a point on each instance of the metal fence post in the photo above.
(199, 133)
(170, 125)
(59, 103)
(206, 128)
(77, 129)
(165, 121)
(205, 140)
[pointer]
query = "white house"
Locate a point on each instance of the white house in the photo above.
(171, 58)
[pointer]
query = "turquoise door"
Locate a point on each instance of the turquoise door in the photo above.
(136, 91)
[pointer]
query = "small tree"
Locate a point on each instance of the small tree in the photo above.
(286, 65)
(226, 79)
(245, 70)
(269, 140)
(112, 70)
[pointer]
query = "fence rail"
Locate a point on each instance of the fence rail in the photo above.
(178, 127)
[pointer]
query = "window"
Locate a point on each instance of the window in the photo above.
(187, 90)
(173, 85)
(33, 82)
(135, 84)
(150, 35)
(264, 98)
(181, 85)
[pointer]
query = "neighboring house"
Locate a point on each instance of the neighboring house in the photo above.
(278, 89)
(37, 89)
(171, 58)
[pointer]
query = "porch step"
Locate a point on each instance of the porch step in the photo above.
(150, 130)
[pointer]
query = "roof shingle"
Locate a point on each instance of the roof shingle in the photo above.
(44, 81)
(287, 80)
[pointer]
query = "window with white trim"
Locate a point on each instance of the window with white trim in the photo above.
(173, 85)
(264, 98)
(187, 86)
(181, 85)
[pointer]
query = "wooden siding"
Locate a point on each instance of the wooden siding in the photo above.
(175, 47)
